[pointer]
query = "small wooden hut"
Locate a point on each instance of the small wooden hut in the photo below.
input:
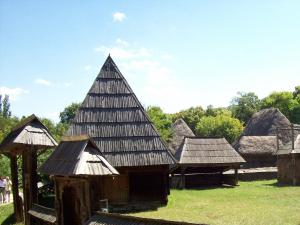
(257, 144)
(288, 158)
(26, 139)
(78, 169)
(113, 116)
(258, 151)
(203, 160)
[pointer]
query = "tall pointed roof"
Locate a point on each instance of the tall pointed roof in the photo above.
(29, 132)
(180, 130)
(113, 116)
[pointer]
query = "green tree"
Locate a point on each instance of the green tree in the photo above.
(211, 111)
(284, 101)
(245, 105)
(69, 113)
(219, 126)
(191, 116)
(5, 107)
(161, 120)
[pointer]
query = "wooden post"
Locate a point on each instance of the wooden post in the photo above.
(18, 207)
(29, 181)
(182, 178)
(235, 176)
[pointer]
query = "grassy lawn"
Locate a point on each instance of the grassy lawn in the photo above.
(258, 202)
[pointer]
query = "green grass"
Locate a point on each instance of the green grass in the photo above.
(6, 215)
(257, 202)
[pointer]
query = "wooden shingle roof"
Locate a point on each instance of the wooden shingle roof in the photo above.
(113, 116)
(30, 132)
(45, 214)
(288, 149)
(207, 151)
(179, 130)
(77, 155)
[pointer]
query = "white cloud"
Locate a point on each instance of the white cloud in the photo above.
(13, 93)
(122, 42)
(124, 53)
(119, 16)
(87, 67)
(67, 84)
(167, 57)
(42, 82)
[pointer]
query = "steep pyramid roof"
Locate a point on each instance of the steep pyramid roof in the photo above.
(113, 116)
(180, 130)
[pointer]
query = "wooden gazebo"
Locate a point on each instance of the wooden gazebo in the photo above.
(28, 137)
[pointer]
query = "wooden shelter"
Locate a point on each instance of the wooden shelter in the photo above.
(257, 144)
(113, 116)
(79, 169)
(288, 158)
(26, 139)
(258, 151)
(203, 160)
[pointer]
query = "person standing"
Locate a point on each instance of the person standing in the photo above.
(2, 189)
(8, 189)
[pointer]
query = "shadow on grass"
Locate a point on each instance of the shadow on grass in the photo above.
(276, 184)
(9, 220)
(209, 187)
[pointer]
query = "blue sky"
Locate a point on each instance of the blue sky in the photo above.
(174, 54)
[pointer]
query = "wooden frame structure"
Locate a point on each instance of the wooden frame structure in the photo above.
(77, 167)
(26, 139)
(202, 161)
(288, 156)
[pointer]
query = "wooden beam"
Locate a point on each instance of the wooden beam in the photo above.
(18, 207)
(29, 181)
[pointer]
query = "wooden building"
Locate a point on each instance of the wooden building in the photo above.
(113, 116)
(288, 158)
(26, 139)
(257, 144)
(201, 160)
(78, 169)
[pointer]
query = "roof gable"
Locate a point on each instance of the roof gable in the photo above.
(112, 115)
(205, 151)
(180, 130)
(29, 132)
(77, 157)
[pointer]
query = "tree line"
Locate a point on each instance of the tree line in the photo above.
(227, 122)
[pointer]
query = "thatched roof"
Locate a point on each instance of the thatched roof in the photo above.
(265, 122)
(180, 130)
(77, 155)
(118, 219)
(30, 132)
(113, 116)
(207, 151)
(255, 145)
